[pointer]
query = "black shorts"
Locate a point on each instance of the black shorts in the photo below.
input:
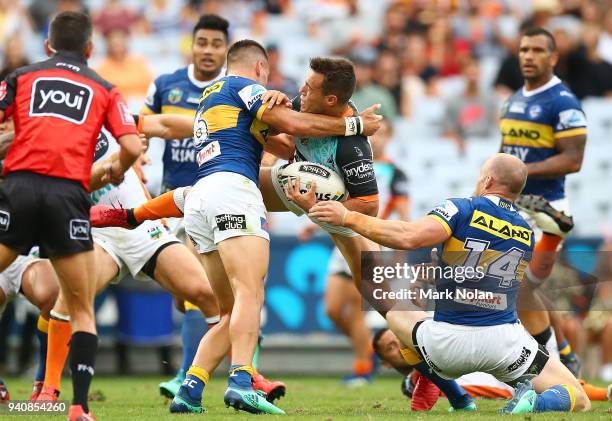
(49, 212)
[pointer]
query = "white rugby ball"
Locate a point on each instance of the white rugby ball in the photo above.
(330, 185)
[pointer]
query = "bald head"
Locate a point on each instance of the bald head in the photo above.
(502, 174)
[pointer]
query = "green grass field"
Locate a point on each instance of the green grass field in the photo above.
(136, 398)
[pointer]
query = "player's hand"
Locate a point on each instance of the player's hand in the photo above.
(144, 142)
(307, 232)
(371, 120)
(329, 211)
(273, 98)
(304, 200)
(115, 173)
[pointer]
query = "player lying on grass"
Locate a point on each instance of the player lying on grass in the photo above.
(469, 335)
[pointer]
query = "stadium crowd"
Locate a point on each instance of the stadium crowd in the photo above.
(459, 57)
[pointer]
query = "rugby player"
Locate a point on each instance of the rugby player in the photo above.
(543, 124)
(179, 93)
(327, 90)
(59, 106)
(467, 335)
(342, 300)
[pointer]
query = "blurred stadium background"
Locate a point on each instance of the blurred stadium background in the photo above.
(440, 68)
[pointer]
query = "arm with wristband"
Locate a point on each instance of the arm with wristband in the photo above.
(296, 123)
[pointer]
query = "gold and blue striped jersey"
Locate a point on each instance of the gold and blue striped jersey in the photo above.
(177, 93)
(531, 124)
(228, 133)
(488, 235)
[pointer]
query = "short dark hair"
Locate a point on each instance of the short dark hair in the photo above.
(339, 76)
(212, 22)
(236, 50)
(70, 31)
(377, 335)
(532, 32)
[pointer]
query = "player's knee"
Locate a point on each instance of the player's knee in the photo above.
(334, 312)
(249, 297)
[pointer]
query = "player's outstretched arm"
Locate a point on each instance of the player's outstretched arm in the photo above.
(425, 232)
(296, 123)
(166, 126)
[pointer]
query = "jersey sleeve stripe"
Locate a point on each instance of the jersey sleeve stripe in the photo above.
(368, 198)
(261, 110)
(569, 133)
(442, 222)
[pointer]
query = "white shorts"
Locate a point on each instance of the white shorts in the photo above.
(10, 279)
(504, 351)
(332, 229)
(176, 226)
(337, 264)
(132, 249)
(221, 206)
(560, 204)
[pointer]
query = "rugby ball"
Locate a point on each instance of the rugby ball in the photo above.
(330, 185)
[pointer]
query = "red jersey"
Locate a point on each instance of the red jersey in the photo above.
(59, 106)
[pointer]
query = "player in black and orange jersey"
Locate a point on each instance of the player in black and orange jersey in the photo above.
(342, 300)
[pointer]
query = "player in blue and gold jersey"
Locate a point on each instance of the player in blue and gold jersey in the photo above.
(179, 93)
(479, 331)
(225, 216)
(543, 124)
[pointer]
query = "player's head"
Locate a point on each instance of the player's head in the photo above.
(537, 54)
(381, 139)
(387, 346)
(328, 86)
(249, 59)
(502, 174)
(70, 31)
(209, 48)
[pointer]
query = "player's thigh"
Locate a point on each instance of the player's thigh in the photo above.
(555, 373)
(76, 273)
(40, 285)
(269, 193)
(246, 259)
(178, 271)
(107, 268)
(403, 322)
(351, 249)
(215, 271)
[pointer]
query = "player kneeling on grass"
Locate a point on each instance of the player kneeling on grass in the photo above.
(465, 335)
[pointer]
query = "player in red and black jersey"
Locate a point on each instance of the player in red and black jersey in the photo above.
(58, 107)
